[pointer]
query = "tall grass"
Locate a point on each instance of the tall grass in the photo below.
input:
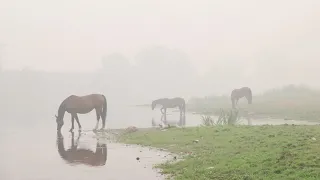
(225, 118)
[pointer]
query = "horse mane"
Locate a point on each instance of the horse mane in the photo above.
(160, 99)
(61, 110)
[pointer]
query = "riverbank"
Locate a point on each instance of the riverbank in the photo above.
(237, 152)
(264, 110)
(287, 102)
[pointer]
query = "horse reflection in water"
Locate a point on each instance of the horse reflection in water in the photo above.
(164, 121)
(75, 155)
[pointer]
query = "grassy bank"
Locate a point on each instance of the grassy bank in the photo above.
(238, 152)
(290, 102)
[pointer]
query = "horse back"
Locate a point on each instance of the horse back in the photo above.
(87, 100)
(241, 92)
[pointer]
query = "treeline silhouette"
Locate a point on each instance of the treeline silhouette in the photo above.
(157, 72)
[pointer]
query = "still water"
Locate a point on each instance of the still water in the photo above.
(31, 149)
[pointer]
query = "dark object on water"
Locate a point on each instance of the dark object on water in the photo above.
(237, 94)
(82, 105)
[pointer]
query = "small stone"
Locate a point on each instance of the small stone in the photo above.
(137, 158)
(314, 138)
(196, 141)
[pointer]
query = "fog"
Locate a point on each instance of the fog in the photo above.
(135, 51)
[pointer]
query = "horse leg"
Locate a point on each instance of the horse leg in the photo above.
(180, 108)
(72, 140)
(103, 120)
(98, 118)
(233, 103)
(77, 119)
(165, 111)
(161, 110)
(237, 102)
(72, 123)
(165, 115)
(77, 142)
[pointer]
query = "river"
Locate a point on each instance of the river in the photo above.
(31, 149)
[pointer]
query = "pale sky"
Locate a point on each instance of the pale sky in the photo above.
(73, 35)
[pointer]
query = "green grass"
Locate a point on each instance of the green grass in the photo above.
(238, 152)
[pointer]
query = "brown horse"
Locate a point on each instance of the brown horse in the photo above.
(75, 155)
(236, 94)
(170, 103)
(82, 105)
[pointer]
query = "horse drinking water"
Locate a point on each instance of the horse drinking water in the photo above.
(82, 105)
(236, 94)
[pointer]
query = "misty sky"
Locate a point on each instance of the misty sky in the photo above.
(73, 35)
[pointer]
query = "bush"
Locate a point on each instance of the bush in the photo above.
(230, 118)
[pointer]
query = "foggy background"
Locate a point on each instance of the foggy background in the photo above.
(136, 51)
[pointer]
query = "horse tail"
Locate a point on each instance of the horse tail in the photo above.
(104, 110)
